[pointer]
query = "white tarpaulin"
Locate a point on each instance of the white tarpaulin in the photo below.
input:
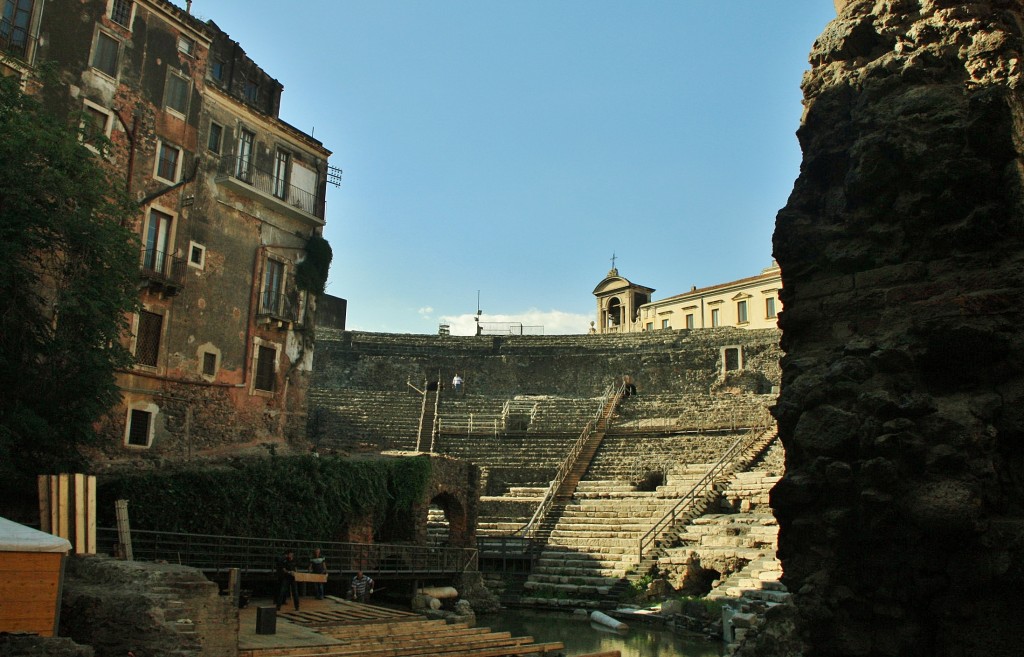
(15, 537)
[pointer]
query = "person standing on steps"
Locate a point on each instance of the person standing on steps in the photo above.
(628, 387)
(457, 384)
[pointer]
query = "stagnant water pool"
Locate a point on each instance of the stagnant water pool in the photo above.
(580, 636)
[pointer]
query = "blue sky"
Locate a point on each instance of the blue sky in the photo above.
(510, 148)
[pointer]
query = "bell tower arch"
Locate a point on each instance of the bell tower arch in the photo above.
(618, 303)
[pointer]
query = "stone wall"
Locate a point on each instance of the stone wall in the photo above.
(568, 365)
(902, 395)
(454, 486)
(153, 610)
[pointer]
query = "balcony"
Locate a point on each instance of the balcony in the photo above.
(281, 310)
(162, 272)
(249, 180)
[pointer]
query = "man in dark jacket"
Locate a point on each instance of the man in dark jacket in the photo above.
(285, 567)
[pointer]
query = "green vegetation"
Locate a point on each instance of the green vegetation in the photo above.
(302, 497)
(311, 273)
(68, 271)
(636, 593)
(712, 607)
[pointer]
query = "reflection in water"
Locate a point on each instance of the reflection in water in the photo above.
(580, 636)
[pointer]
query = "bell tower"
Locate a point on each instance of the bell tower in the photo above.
(618, 303)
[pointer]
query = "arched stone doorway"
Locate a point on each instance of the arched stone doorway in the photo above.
(446, 521)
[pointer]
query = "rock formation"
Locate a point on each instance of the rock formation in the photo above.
(902, 403)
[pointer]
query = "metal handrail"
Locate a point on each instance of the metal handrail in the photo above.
(210, 552)
(530, 527)
(727, 460)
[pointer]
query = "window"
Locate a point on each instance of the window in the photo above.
(140, 427)
(147, 340)
(273, 284)
(209, 364)
(196, 255)
(741, 312)
(281, 174)
(105, 54)
(96, 124)
(731, 358)
(252, 91)
(666, 323)
(186, 45)
(217, 70)
(213, 140)
(158, 235)
(168, 162)
(649, 326)
(689, 320)
(14, 30)
(769, 308)
(266, 362)
(121, 12)
(714, 316)
(176, 92)
(245, 143)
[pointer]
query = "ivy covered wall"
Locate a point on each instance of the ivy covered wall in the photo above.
(297, 497)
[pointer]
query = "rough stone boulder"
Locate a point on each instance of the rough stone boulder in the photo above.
(155, 610)
(903, 285)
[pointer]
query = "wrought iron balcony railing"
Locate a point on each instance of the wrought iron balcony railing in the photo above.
(245, 171)
(163, 269)
(284, 306)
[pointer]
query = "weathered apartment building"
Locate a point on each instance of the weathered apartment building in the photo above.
(231, 205)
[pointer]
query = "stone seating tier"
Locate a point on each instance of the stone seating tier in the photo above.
(690, 412)
(632, 458)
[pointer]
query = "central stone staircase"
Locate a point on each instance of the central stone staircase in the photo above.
(598, 538)
(595, 540)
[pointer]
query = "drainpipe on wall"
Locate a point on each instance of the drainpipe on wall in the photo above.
(250, 324)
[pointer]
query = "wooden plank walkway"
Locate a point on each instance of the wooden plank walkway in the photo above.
(339, 628)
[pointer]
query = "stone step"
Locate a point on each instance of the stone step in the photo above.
(617, 570)
(584, 536)
(570, 590)
(575, 580)
(563, 603)
(591, 523)
(606, 544)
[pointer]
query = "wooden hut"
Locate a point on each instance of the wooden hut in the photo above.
(31, 573)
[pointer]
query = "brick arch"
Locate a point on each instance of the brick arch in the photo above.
(454, 486)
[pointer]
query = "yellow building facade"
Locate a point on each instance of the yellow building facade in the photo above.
(748, 303)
